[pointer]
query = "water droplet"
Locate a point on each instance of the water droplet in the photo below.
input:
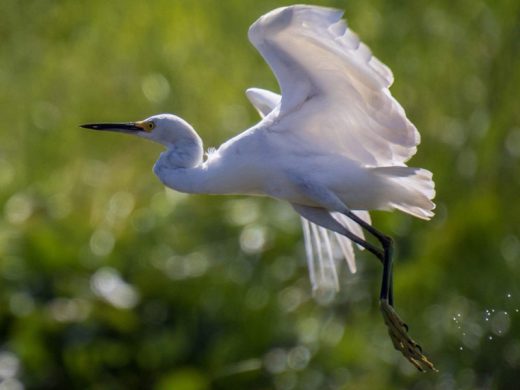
(460, 348)
(490, 337)
(508, 295)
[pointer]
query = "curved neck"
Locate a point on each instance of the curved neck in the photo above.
(180, 167)
(186, 152)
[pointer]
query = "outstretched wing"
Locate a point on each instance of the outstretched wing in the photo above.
(335, 94)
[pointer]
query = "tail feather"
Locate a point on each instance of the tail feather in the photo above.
(411, 190)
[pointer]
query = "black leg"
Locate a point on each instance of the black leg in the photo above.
(368, 246)
(323, 218)
(387, 290)
(397, 329)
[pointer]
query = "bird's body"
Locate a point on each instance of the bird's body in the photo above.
(334, 145)
(256, 163)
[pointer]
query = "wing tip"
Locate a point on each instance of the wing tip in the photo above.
(263, 100)
(277, 19)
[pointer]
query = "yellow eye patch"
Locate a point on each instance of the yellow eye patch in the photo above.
(146, 126)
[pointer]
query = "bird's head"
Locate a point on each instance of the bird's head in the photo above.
(183, 143)
(166, 129)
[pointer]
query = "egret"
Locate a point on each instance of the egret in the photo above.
(334, 145)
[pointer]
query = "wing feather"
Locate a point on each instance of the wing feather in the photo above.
(335, 99)
(263, 100)
(334, 91)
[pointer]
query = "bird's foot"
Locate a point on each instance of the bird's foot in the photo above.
(398, 332)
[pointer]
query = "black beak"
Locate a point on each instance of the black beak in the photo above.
(130, 127)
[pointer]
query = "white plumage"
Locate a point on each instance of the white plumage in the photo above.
(320, 243)
(334, 145)
(339, 90)
(335, 138)
(336, 98)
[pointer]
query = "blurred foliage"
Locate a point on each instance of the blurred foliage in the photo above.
(108, 281)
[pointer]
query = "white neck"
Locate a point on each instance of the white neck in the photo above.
(186, 152)
(187, 180)
(180, 167)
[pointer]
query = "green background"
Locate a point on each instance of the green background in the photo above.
(109, 281)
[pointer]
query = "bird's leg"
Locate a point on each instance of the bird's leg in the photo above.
(397, 329)
(387, 244)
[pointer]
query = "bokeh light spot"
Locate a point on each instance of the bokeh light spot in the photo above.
(275, 360)
(298, 357)
(6, 173)
(512, 142)
(243, 211)
(253, 239)
(120, 206)
(21, 304)
(155, 87)
(107, 283)
(9, 365)
(45, 115)
(18, 208)
(102, 242)
(69, 310)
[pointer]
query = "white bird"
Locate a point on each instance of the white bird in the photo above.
(334, 145)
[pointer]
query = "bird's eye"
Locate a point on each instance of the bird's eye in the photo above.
(150, 126)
